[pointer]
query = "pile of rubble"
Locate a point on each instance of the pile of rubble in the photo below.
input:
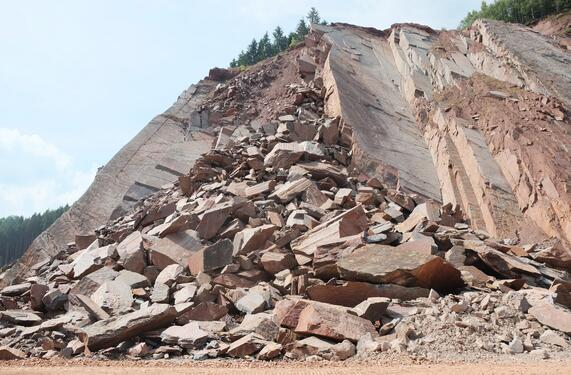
(274, 246)
(270, 248)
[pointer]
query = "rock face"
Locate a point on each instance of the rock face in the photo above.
(367, 191)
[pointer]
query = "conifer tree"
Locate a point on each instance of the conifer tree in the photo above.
(313, 16)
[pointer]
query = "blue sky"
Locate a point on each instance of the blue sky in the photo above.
(78, 79)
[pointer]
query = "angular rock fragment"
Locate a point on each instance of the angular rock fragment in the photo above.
(131, 254)
(407, 267)
(284, 155)
(247, 345)
(274, 262)
(20, 317)
(372, 308)
(212, 220)
(188, 336)
(7, 353)
(112, 331)
(212, 257)
(133, 279)
(175, 248)
(251, 239)
(169, 274)
(552, 316)
(114, 297)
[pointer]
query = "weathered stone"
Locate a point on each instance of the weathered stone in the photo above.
(160, 293)
(74, 347)
(261, 188)
(185, 294)
(407, 267)
(212, 221)
(37, 292)
(54, 300)
(507, 265)
(247, 345)
(329, 322)
(90, 283)
(352, 293)
(343, 350)
(8, 354)
(372, 308)
(84, 264)
(425, 211)
(274, 262)
(131, 254)
(561, 292)
(15, 290)
(347, 224)
(96, 312)
(212, 257)
(188, 336)
(115, 297)
(251, 239)
(133, 279)
(262, 324)
(139, 350)
(251, 303)
(551, 337)
(270, 351)
(175, 248)
(284, 155)
(552, 316)
(169, 274)
(110, 332)
(286, 192)
(204, 311)
(20, 317)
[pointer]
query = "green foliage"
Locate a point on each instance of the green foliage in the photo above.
(265, 47)
(520, 11)
(17, 232)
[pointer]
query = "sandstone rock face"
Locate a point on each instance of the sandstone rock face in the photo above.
(173, 140)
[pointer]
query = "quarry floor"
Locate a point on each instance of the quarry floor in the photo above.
(256, 368)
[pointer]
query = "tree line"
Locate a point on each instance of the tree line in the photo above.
(265, 47)
(17, 232)
(516, 11)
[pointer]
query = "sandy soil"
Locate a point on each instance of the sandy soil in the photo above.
(263, 368)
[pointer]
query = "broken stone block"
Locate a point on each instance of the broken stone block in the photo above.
(551, 337)
(37, 292)
(74, 347)
(552, 316)
(175, 248)
(211, 257)
(131, 254)
(204, 311)
(54, 300)
(349, 223)
(8, 354)
(20, 317)
(429, 210)
(139, 350)
(84, 264)
(286, 192)
(251, 239)
(261, 188)
(383, 264)
(160, 293)
(262, 324)
(372, 308)
(561, 292)
(15, 290)
(115, 297)
(247, 345)
(343, 350)
(251, 303)
(212, 220)
(169, 274)
(96, 312)
(274, 262)
(352, 293)
(133, 279)
(112, 331)
(188, 336)
(90, 283)
(330, 322)
(270, 351)
(185, 294)
(284, 155)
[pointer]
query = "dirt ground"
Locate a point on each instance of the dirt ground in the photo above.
(257, 368)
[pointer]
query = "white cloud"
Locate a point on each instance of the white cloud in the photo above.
(13, 140)
(50, 179)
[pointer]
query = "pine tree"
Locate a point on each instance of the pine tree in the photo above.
(252, 52)
(301, 29)
(280, 40)
(265, 49)
(313, 16)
